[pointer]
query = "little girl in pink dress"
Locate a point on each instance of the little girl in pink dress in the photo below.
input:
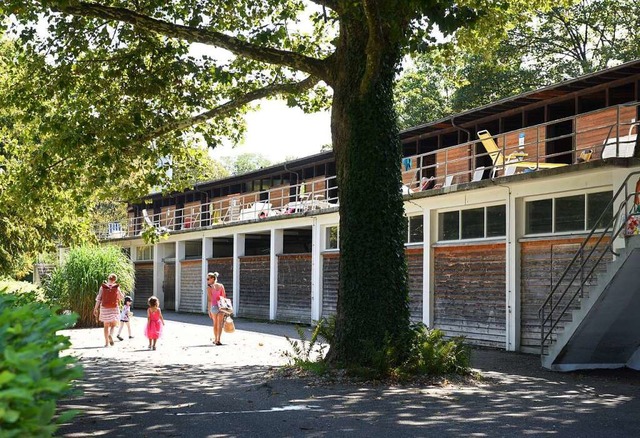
(155, 321)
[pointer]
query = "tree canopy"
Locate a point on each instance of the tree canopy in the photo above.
(245, 162)
(552, 45)
(125, 81)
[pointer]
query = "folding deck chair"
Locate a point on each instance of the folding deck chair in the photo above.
(513, 159)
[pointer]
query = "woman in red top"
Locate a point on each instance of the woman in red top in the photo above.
(215, 290)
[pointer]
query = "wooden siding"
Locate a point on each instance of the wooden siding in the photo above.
(224, 267)
(254, 287)
(294, 288)
(469, 292)
(534, 139)
(415, 266)
(592, 129)
(144, 284)
(542, 263)
(330, 268)
(454, 161)
(191, 286)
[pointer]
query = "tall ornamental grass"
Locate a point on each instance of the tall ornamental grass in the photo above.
(75, 284)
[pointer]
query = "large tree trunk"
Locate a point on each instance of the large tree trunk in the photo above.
(372, 297)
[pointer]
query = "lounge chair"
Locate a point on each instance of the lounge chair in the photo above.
(448, 181)
(623, 146)
(478, 174)
(149, 222)
(513, 159)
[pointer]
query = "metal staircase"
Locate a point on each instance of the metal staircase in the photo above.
(590, 319)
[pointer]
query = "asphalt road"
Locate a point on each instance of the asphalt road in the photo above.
(191, 388)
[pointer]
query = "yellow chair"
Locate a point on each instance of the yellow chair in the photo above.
(514, 159)
(584, 156)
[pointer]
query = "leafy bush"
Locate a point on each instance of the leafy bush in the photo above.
(33, 375)
(24, 291)
(74, 285)
(429, 354)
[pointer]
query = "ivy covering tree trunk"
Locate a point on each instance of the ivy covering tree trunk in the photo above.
(373, 298)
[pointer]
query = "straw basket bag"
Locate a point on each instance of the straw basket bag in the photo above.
(229, 326)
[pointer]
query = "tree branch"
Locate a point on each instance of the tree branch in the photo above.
(313, 66)
(331, 4)
(374, 41)
(225, 108)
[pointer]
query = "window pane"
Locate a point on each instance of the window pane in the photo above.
(496, 221)
(449, 225)
(539, 218)
(193, 249)
(570, 213)
(473, 223)
(144, 253)
(596, 203)
(415, 229)
(332, 238)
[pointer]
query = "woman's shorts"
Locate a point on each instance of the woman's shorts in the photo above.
(215, 310)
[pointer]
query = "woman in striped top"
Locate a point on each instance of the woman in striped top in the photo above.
(107, 301)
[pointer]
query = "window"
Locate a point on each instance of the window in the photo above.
(473, 223)
(496, 221)
(415, 232)
(450, 225)
(331, 238)
(144, 253)
(571, 214)
(596, 203)
(539, 216)
(567, 213)
(193, 249)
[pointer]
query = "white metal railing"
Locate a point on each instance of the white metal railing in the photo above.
(314, 195)
(611, 136)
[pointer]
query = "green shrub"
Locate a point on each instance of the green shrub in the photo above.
(432, 354)
(24, 291)
(33, 375)
(75, 284)
(428, 353)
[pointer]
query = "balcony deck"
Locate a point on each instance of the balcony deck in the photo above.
(598, 135)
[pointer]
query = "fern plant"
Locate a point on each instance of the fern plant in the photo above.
(302, 350)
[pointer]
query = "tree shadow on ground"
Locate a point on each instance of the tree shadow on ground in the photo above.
(516, 397)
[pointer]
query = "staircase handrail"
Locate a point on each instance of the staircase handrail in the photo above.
(615, 233)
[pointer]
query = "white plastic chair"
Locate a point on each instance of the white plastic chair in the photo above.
(477, 174)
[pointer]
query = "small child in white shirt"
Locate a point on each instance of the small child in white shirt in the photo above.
(125, 316)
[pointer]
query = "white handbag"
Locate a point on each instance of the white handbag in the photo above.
(225, 306)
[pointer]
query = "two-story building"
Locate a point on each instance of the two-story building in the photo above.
(517, 214)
